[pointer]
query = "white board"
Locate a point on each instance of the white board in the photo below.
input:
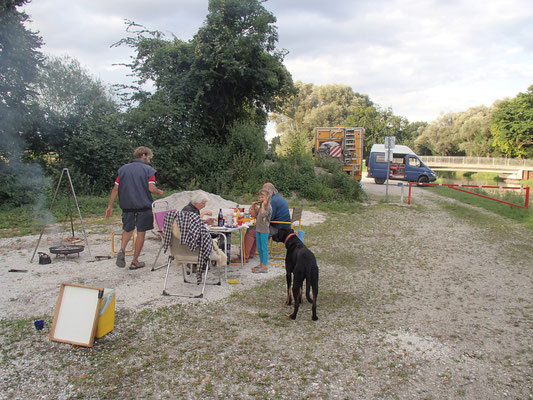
(76, 315)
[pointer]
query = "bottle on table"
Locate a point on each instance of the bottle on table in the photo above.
(220, 218)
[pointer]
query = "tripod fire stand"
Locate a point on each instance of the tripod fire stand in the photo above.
(73, 194)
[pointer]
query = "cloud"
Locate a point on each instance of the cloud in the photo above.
(419, 57)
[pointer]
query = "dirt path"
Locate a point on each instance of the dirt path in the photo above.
(462, 291)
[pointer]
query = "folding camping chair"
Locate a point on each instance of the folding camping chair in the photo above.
(275, 249)
(159, 217)
(188, 259)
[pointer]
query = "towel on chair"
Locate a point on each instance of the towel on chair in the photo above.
(193, 233)
(218, 255)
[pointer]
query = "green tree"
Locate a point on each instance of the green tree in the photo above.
(314, 106)
(19, 62)
(379, 123)
(439, 137)
(412, 132)
(462, 133)
(229, 73)
(472, 132)
(76, 123)
(512, 125)
(67, 97)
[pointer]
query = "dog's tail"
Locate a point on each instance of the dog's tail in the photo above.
(311, 282)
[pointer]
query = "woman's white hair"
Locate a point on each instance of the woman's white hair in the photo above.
(271, 188)
(199, 198)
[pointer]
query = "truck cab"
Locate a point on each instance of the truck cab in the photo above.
(405, 165)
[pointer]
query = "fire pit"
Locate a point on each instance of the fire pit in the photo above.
(67, 249)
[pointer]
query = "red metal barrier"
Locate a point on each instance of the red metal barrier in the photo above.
(457, 187)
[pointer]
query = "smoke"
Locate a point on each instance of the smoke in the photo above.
(21, 182)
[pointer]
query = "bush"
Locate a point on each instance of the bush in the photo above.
(22, 183)
(291, 173)
(296, 174)
(319, 190)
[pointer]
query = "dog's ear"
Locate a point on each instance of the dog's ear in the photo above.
(281, 235)
(276, 237)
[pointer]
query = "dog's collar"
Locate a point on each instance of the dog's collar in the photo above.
(287, 238)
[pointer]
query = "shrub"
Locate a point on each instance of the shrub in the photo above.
(22, 183)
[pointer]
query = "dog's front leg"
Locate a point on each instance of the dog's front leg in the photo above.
(289, 277)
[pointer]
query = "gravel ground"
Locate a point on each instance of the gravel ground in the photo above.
(414, 302)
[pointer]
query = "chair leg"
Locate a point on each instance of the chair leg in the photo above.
(156, 258)
(204, 283)
(205, 278)
(170, 259)
(183, 272)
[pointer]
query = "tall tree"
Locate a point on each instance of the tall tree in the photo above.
(314, 106)
(439, 137)
(230, 72)
(19, 61)
(512, 125)
(472, 132)
(333, 105)
(68, 97)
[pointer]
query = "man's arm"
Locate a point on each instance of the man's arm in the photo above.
(273, 204)
(112, 198)
(153, 189)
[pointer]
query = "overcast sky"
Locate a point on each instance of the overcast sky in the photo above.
(418, 57)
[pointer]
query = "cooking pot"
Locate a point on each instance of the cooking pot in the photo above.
(44, 258)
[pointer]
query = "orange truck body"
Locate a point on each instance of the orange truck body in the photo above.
(344, 144)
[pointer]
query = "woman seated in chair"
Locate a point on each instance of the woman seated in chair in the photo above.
(197, 203)
(193, 233)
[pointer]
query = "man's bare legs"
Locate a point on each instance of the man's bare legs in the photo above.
(126, 236)
(139, 243)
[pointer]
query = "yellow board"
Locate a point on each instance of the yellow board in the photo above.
(106, 319)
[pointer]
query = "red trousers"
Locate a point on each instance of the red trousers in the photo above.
(249, 243)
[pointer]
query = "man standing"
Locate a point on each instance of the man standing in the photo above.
(134, 185)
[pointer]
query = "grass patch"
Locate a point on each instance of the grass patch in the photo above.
(474, 217)
(521, 215)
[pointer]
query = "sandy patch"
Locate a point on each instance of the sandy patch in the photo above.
(35, 292)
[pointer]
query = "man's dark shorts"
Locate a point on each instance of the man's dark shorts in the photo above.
(142, 220)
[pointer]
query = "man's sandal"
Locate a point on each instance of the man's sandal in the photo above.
(139, 264)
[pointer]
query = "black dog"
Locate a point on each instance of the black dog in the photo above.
(300, 262)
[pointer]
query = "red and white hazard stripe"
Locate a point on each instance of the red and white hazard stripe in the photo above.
(335, 151)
